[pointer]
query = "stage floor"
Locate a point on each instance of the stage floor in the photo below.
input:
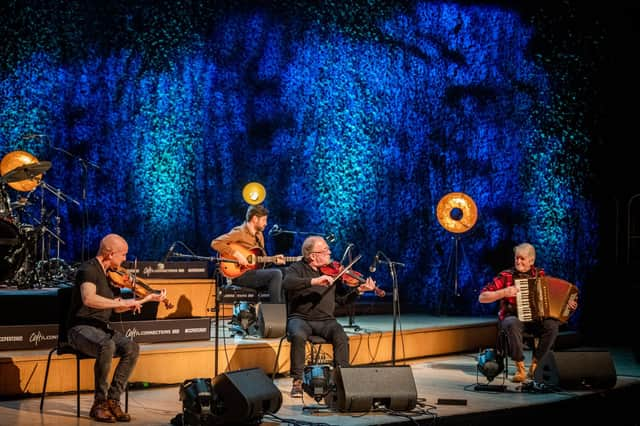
(452, 376)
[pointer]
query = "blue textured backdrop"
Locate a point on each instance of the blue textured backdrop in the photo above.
(356, 116)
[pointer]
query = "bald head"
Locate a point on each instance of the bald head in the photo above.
(112, 243)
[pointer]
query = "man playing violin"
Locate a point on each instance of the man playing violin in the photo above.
(312, 297)
(89, 331)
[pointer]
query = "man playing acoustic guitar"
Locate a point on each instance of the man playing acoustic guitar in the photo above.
(245, 249)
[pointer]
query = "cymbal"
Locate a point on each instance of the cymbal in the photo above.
(29, 171)
(11, 169)
(457, 212)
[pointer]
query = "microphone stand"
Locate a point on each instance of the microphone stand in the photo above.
(396, 301)
(276, 230)
(217, 280)
(352, 306)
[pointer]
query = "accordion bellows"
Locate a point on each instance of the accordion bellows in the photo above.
(544, 297)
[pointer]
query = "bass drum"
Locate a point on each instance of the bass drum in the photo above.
(12, 250)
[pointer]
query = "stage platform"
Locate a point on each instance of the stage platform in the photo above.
(417, 336)
(441, 351)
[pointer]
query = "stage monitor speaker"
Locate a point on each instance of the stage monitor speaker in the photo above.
(363, 388)
(272, 319)
(244, 396)
(576, 370)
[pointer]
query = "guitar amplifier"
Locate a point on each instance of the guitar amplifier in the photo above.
(153, 269)
(232, 294)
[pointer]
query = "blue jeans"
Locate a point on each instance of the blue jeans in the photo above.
(104, 347)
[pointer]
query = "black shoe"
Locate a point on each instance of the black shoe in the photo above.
(296, 389)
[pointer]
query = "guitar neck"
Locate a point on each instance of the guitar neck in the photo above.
(268, 259)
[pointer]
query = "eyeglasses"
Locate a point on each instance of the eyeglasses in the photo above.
(324, 250)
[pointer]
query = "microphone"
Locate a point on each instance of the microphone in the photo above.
(275, 230)
(169, 253)
(374, 264)
(347, 251)
(33, 136)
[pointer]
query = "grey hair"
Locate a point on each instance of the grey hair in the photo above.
(308, 243)
(527, 249)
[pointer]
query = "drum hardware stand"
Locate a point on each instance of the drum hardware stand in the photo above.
(85, 214)
(45, 246)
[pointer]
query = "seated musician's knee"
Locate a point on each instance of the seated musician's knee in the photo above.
(132, 349)
(107, 348)
(298, 339)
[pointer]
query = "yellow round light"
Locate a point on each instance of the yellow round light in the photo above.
(457, 212)
(254, 193)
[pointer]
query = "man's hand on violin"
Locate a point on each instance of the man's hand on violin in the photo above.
(156, 297)
(131, 304)
(322, 281)
(368, 285)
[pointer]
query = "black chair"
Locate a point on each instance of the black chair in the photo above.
(64, 348)
(315, 350)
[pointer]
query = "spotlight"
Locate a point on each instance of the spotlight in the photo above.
(254, 193)
(316, 381)
(197, 402)
(244, 318)
(490, 364)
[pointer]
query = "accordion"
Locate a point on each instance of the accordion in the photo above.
(544, 297)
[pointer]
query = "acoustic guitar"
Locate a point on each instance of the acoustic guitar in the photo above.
(256, 258)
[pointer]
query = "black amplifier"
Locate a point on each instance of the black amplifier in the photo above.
(234, 294)
(153, 269)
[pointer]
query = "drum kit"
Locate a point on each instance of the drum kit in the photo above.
(24, 246)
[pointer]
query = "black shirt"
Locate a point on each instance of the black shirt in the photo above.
(313, 302)
(90, 271)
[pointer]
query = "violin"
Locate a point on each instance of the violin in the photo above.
(121, 278)
(349, 277)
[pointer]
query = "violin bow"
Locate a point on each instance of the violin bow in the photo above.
(341, 273)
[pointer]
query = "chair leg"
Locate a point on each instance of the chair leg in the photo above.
(77, 386)
(315, 353)
(126, 398)
(275, 363)
(46, 377)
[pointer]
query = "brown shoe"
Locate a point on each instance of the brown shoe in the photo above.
(101, 413)
(521, 373)
(120, 415)
(296, 389)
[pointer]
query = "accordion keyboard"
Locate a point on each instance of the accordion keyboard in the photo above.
(523, 301)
